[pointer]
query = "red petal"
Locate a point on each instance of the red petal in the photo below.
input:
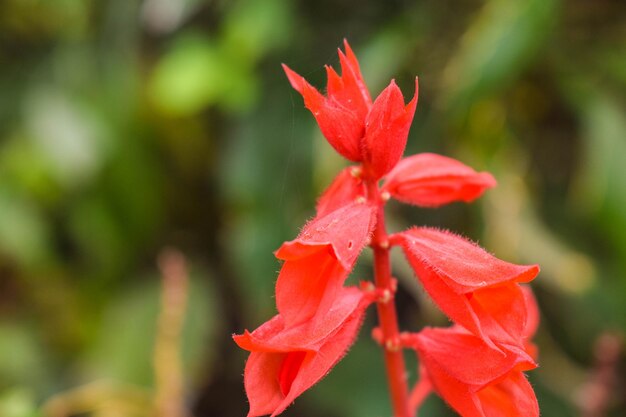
(319, 260)
(276, 336)
(343, 233)
(346, 188)
(308, 286)
(464, 265)
(513, 397)
(431, 180)
(317, 366)
(261, 382)
(273, 379)
(474, 379)
(354, 66)
(468, 358)
(386, 130)
(532, 321)
(289, 370)
(475, 289)
(342, 126)
(354, 94)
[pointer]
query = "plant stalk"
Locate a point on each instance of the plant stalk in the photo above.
(387, 316)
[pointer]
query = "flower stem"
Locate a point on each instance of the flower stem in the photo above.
(387, 316)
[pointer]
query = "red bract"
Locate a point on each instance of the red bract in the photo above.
(475, 289)
(431, 180)
(476, 380)
(346, 188)
(361, 131)
(286, 361)
(318, 261)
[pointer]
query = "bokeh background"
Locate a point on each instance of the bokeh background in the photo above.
(153, 155)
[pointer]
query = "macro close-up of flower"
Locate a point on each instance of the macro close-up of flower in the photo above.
(312, 208)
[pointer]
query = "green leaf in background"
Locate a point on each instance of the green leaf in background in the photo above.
(197, 72)
(602, 175)
(17, 402)
(188, 77)
(24, 233)
(498, 46)
(22, 359)
(23, 165)
(254, 27)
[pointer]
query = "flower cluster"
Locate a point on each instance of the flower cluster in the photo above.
(476, 365)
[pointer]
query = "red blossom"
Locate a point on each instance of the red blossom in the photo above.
(286, 361)
(386, 130)
(431, 180)
(475, 289)
(476, 380)
(319, 260)
(361, 131)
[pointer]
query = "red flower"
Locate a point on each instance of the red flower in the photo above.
(476, 380)
(319, 260)
(475, 289)
(431, 180)
(361, 131)
(287, 360)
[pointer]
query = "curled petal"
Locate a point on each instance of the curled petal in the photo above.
(512, 397)
(275, 378)
(475, 289)
(431, 180)
(276, 335)
(308, 286)
(463, 264)
(386, 130)
(343, 233)
(346, 188)
(442, 346)
(474, 379)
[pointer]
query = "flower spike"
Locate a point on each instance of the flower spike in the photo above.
(476, 365)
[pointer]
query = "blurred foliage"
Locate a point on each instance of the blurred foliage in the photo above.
(126, 127)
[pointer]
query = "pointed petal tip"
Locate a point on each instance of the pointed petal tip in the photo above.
(296, 80)
(242, 340)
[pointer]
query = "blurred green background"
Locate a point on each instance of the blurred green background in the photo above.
(127, 127)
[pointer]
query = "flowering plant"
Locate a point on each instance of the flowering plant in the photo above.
(476, 365)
